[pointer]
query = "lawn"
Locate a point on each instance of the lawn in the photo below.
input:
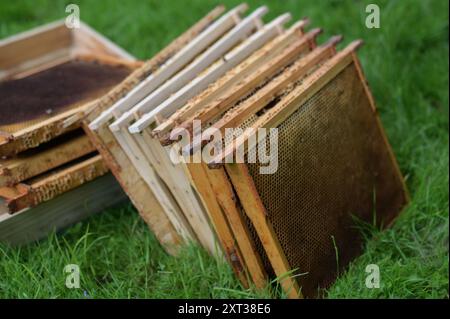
(406, 63)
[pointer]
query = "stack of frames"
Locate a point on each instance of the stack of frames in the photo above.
(47, 76)
(184, 135)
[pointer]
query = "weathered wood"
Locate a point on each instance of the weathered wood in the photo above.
(117, 160)
(262, 97)
(25, 166)
(205, 60)
(223, 85)
(225, 234)
(135, 187)
(247, 85)
(226, 198)
(255, 210)
(53, 184)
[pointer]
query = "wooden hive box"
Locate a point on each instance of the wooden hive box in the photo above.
(62, 71)
(48, 77)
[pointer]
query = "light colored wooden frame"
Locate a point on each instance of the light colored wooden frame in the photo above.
(242, 88)
(240, 31)
(143, 149)
(120, 165)
(215, 189)
(228, 81)
(219, 51)
(173, 65)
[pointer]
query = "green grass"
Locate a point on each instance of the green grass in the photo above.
(406, 63)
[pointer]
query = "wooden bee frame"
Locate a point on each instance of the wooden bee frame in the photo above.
(219, 193)
(135, 186)
(44, 158)
(257, 198)
(48, 75)
(149, 155)
(146, 142)
(54, 183)
(213, 186)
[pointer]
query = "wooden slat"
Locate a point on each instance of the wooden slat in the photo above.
(135, 187)
(226, 198)
(25, 166)
(228, 41)
(254, 42)
(117, 160)
(185, 214)
(172, 104)
(106, 59)
(178, 183)
(161, 192)
(48, 187)
(255, 210)
(173, 65)
(223, 85)
(249, 84)
(225, 235)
